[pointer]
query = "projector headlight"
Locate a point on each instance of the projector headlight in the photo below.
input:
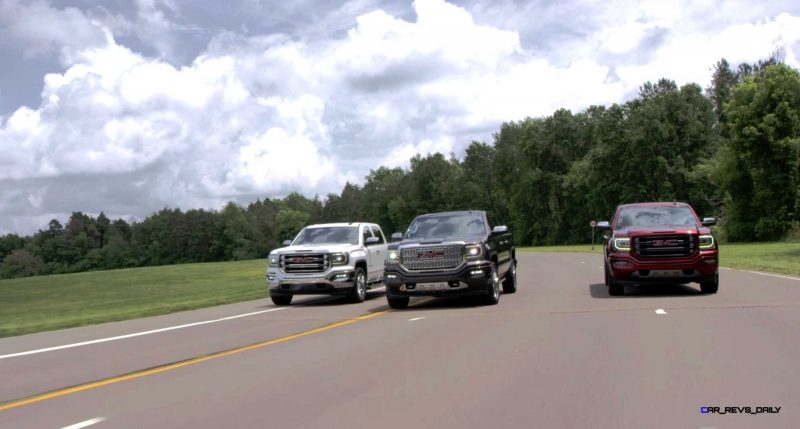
(473, 250)
(392, 257)
(622, 244)
(707, 241)
(338, 258)
(274, 258)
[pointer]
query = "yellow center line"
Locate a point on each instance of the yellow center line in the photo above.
(192, 361)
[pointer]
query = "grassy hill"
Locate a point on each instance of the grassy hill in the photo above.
(44, 303)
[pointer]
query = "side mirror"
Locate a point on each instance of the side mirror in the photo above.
(709, 221)
(397, 236)
(500, 229)
(372, 240)
(287, 242)
(603, 225)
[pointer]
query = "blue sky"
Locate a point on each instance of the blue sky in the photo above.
(131, 106)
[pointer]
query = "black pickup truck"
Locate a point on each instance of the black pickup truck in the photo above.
(453, 253)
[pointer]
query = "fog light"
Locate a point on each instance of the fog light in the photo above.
(476, 272)
(620, 263)
(270, 277)
(710, 261)
(391, 276)
(341, 276)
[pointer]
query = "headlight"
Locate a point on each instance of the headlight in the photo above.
(338, 258)
(622, 244)
(473, 250)
(392, 257)
(706, 241)
(273, 258)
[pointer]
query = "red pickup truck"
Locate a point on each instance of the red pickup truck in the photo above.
(659, 242)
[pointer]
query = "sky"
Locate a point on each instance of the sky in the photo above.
(131, 106)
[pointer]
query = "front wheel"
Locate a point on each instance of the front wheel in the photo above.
(510, 282)
(397, 302)
(710, 286)
(281, 299)
(359, 292)
(614, 288)
(492, 296)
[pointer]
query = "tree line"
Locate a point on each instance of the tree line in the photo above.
(732, 152)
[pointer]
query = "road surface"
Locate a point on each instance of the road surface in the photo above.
(559, 353)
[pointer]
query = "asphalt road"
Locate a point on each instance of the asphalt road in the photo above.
(559, 353)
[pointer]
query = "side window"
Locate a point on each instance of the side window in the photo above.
(378, 233)
(365, 235)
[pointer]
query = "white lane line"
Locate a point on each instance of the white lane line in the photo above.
(761, 274)
(774, 275)
(136, 334)
(660, 311)
(416, 318)
(85, 423)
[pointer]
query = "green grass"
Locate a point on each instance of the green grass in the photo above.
(773, 257)
(44, 303)
(780, 257)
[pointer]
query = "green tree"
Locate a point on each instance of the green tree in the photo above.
(761, 172)
(20, 263)
(290, 222)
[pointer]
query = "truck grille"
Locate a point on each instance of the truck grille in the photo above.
(305, 263)
(664, 245)
(431, 257)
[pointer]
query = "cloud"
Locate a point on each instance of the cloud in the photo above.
(256, 115)
(43, 29)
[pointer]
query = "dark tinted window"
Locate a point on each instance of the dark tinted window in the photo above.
(328, 235)
(447, 225)
(656, 216)
(366, 234)
(377, 233)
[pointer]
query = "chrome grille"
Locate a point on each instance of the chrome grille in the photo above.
(305, 262)
(664, 245)
(431, 257)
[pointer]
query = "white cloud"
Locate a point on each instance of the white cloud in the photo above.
(688, 57)
(262, 115)
(41, 28)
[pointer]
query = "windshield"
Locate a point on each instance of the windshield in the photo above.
(656, 216)
(449, 225)
(328, 235)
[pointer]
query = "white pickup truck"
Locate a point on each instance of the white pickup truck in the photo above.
(333, 259)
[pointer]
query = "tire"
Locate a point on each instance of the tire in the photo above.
(510, 282)
(397, 302)
(492, 296)
(614, 288)
(710, 286)
(359, 292)
(281, 299)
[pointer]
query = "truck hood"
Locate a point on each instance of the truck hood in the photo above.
(637, 231)
(317, 248)
(440, 240)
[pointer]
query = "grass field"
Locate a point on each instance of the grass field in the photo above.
(779, 257)
(44, 303)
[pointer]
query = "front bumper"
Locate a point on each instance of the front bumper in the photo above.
(630, 268)
(470, 278)
(336, 281)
